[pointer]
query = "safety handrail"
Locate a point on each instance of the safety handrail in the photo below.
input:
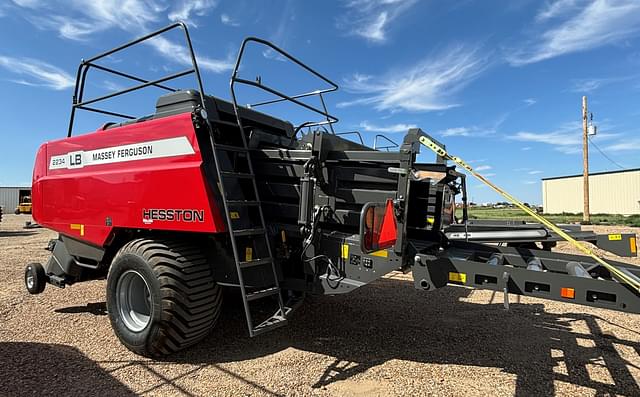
(375, 143)
(86, 65)
(352, 133)
(330, 119)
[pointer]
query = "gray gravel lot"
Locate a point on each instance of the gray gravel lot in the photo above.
(384, 339)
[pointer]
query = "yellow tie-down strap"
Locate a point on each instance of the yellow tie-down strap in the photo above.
(440, 151)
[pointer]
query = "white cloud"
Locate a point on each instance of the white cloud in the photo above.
(68, 27)
(530, 182)
(370, 19)
(530, 101)
(37, 73)
(375, 30)
(556, 9)
(466, 131)
(183, 10)
(366, 126)
(133, 16)
(427, 86)
(128, 15)
(29, 3)
(489, 175)
(582, 86)
(534, 172)
(227, 20)
(5, 9)
(555, 137)
(281, 34)
(623, 145)
(596, 23)
(483, 167)
(112, 86)
(566, 139)
(361, 78)
(525, 148)
(586, 85)
(287, 16)
(179, 53)
(567, 134)
(456, 131)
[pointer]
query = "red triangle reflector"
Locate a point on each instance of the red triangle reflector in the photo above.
(389, 228)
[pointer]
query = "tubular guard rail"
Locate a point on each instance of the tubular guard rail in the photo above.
(86, 65)
(329, 119)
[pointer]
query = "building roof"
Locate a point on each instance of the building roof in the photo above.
(592, 174)
(16, 187)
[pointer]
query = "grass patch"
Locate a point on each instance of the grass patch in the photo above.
(517, 214)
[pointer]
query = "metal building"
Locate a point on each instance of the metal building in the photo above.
(10, 196)
(611, 192)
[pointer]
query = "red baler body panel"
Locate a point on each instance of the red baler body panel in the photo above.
(146, 175)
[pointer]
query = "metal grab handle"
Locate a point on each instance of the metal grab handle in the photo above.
(375, 142)
(352, 133)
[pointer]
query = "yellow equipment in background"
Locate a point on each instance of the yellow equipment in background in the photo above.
(24, 207)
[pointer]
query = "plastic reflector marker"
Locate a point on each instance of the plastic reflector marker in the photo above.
(568, 293)
(389, 229)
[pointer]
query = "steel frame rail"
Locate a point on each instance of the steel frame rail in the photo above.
(465, 264)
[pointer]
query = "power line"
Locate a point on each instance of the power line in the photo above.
(604, 155)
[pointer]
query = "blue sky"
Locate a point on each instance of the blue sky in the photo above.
(499, 82)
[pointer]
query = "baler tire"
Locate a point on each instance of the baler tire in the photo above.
(183, 300)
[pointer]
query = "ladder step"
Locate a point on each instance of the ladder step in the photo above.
(276, 321)
(230, 148)
(242, 203)
(256, 262)
(248, 232)
(263, 293)
(236, 175)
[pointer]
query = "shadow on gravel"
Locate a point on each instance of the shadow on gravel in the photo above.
(390, 320)
(97, 309)
(16, 233)
(33, 369)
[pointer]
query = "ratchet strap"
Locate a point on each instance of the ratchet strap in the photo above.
(440, 151)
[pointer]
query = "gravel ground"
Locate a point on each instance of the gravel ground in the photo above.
(384, 339)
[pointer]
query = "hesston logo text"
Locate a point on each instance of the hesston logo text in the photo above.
(172, 215)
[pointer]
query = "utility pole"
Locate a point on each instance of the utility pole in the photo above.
(586, 218)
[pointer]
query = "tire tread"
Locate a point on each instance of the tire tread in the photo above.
(190, 298)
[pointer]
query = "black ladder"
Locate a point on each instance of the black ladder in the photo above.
(257, 231)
